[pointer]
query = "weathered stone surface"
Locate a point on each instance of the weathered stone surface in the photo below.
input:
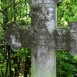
(42, 38)
(66, 38)
(17, 35)
(43, 25)
(73, 26)
(12, 36)
(62, 39)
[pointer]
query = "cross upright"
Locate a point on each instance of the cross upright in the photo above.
(43, 38)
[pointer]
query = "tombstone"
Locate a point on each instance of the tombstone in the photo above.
(43, 37)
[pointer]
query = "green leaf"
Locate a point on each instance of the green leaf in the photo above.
(1, 17)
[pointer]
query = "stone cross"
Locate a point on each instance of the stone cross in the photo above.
(43, 37)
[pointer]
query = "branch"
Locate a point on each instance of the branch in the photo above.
(2, 25)
(2, 11)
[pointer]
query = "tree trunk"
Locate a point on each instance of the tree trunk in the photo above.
(43, 25)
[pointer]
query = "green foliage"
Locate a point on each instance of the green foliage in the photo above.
(22, 53)
(67, 12)
(66, 64)
(13, 64)
(1, 17)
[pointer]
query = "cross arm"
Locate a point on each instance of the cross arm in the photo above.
(66, 38)
(17, 37)
(62, 38)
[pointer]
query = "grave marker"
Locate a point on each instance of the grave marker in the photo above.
(44, 38)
